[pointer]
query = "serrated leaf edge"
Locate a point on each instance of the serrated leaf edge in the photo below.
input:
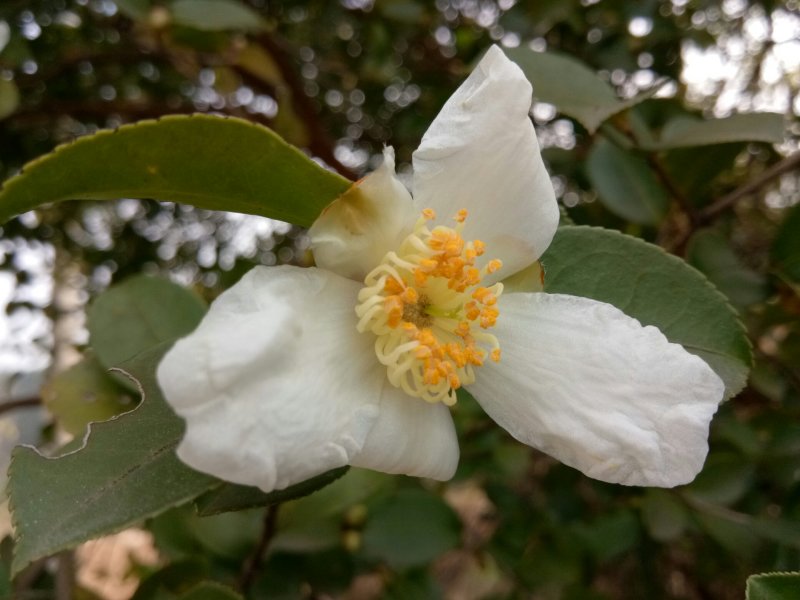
(778, 574)
(13, 180)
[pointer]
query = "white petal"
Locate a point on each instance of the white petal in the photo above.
(481, 154)
(589, 385)
(353, 233)
(275, 384)
(411, 437)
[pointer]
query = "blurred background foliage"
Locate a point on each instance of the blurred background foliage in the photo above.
(668, 161)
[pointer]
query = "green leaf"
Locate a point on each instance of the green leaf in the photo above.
(410, 528)
(773, 586)
(695, 170)
(215, 15)
(725, 479)
(140, 313)
(732, 525)
(736, 538)
(610, 535)
(126, 471)
(626, 185)
(682, 132)
(314, 522)
(230, 497)
(657, 289)
(210, 162)
(785, 253)
(210, 591)
(134, 9)
(171, 580)
(711, 253)
(572, 87)
(83, 394)
(664, 517)
(9, 98)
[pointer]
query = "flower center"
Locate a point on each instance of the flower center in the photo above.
(426, 306)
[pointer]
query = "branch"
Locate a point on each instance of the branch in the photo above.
(320, 142)
(779, 168)
(22, 403)
(250, 569)
(673, 189)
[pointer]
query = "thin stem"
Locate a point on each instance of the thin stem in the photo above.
(250, 569)
(22, 403)
(779, 168)
(672, 188)
(65, 576)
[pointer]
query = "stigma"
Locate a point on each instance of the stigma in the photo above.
(429, 312)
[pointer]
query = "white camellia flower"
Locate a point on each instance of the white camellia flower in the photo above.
(294, 371)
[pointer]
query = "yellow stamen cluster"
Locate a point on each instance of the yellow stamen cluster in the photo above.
(426, 306)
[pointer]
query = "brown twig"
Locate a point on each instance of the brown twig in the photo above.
(65, 576)
(672, 188)
(320, 142)
(21, 403)
(779, 168)
(250, 569)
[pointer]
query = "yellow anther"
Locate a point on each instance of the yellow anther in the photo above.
(410, 296)
(481, 293)
(454, 381)
(496, 355)
(473, 312)
(411, 330)
(429, 214)
(479, 246)
(461, 215)
(427, 265)
(392, 286)
(489, 317)
(494, 265)
(426, 337)
(462, 330)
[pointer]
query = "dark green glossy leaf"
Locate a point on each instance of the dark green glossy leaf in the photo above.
(138, 314)
(232, 497)
(682, 132)
(773, 586)
(572, 87)
(711, 253)
(126, 472)
(85, 393)
(626, 184)
(786, 247)
(411, 528)
(215, 15)
(654, 287)
(210, 162)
